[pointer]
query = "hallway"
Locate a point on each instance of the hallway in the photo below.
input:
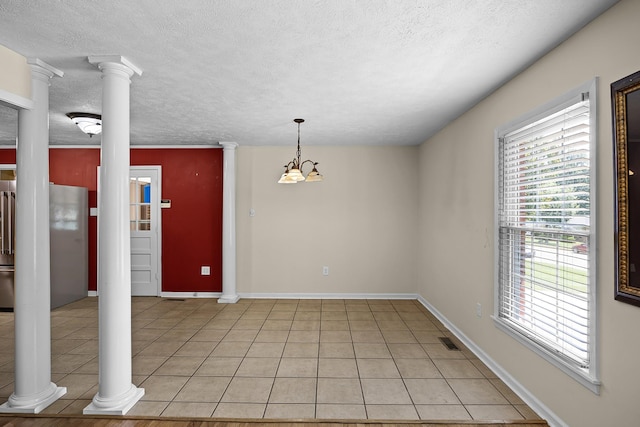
(282, 359)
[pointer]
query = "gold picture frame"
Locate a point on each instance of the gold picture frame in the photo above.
(625, 94)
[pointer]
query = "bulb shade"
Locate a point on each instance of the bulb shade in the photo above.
(286, 179)
(314, 176)
(91, 124)
(296, 175)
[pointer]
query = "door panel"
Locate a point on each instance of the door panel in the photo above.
(144, 209)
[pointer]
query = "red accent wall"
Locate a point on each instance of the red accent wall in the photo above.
(191, 228)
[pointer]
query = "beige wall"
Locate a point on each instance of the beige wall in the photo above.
(15, 75)
(360, 221)
(456, 264)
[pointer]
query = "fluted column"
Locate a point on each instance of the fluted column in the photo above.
(33, 390)
(116, 393)
(229, 294)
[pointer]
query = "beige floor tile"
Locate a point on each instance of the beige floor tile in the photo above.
(335, 336)
(304, 336)
(427, 337)
(56, 406)
(339, 350)
(272, 336)
(147, 365)
(214, 335)
(162, 348)
(293, 390)
(334, 315)
(431, 391)
(276, 325)
(488, 373)
(162, 387)
(295, 349)
(506, 392)
(442, 412)
(89, 347)
(457, 368)
(477, 392)
(196, 348)
(203, 389)
(377, 368)
(305, 325)
(240, 335)
(420, 325)
(407, 351)
(220, 324)
(372, 337)
(371, 351)
(65, 345)
(266, 349)
(339, 411)
(176, 334)
(337, 368)
(281, 315)
(440, 351)
(384, 392)
(334, 325)
(254, 315)
(399, 337)
(249, 324)
(180, 365)
(258, 367)
(75, 407)
(306, 315)
(363, 325)
(494, 412)
(298, 367)
(189, 409)
(339, 390)
(290, 410)
(391, 412)
(392, 325)
(248, 390)
(359, 315)
(77, 384)
(417, 368)
(219, 366)
(67, 363)
(239, 410)
(386, 315)
(231, 349)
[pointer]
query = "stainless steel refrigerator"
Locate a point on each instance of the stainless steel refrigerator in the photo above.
(69, 218)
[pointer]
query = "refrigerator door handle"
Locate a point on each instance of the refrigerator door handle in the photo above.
(11, 202)
(3, 221)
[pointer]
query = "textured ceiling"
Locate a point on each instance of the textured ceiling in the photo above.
(359, 72)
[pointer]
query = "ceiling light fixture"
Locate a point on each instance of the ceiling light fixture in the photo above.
(293, 169)
(91, 124)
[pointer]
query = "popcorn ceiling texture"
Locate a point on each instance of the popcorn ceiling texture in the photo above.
(372, 72)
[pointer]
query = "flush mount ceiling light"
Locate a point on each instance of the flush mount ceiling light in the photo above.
(91, 124)
(293, 169)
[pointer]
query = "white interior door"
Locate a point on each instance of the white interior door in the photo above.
(145, 220)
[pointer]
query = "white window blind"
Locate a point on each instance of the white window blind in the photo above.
(544, 232)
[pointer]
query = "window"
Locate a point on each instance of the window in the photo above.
(545, 232)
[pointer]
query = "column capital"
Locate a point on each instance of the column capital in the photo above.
(43, 70)
(228, 145)
(101, 62)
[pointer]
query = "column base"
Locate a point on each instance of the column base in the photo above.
(119, 406)
(34, 405)
(228, 299)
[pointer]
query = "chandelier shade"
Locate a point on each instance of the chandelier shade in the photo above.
(91, 124)
(293, 170)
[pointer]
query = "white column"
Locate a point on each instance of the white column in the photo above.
(116, 393)
(229, 294)
(33, 390)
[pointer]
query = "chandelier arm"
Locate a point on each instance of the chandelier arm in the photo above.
(308, 161)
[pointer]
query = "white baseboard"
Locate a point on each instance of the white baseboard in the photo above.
(326, 296)
(92, 294)
(191, 294)
(534, 403)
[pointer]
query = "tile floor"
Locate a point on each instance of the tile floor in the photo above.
(323, 359)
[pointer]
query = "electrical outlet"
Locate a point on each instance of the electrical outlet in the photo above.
(478, 309)
(205, 270)
(325, 271)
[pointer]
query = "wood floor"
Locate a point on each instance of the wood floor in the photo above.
(93, 421)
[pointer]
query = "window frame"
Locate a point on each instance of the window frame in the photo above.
(587, 377)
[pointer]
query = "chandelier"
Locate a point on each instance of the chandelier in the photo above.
(293, 169)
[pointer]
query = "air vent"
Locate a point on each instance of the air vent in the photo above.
(450, 344)
(174, 299)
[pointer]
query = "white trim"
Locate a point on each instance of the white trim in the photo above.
(92, 293)
(13, 100)
(533, 402)
(190, 294)
(173, 146)
(326, 296)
